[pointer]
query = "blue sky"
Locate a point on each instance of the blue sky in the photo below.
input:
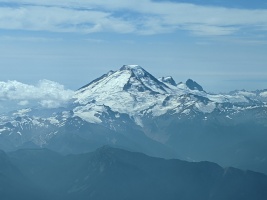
(222, 44)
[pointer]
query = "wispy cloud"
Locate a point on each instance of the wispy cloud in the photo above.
(37, 18)
(28, 39)
(49, 94)
(139, 17)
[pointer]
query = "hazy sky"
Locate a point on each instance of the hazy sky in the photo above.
(221, 44)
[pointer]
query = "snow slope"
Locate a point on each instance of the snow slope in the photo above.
(134, 91)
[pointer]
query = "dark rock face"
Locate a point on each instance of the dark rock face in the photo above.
(192, 85)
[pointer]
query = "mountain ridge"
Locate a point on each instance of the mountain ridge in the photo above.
(112, 173)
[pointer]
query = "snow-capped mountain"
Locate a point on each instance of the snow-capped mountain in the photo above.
(133, 91)
(130, 108)
(130, 90)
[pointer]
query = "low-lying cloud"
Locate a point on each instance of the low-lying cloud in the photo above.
(47, 93)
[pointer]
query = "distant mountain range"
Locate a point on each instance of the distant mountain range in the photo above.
(116, 174)
(131, 109)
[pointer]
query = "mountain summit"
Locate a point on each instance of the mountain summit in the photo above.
(168, 80)
(130, 86)
(192, 85)
(141, 80)
(131, 67)
(134, 91)
(130, 108)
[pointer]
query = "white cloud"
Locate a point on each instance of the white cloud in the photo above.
(50, 103)
(47, 93)
(263, 94)
(210, 30)
(28, 39)
(127, 16)
(23, 103)
(58, 19)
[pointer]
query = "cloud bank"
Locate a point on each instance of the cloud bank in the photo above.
(138, 17)
(47, 93)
